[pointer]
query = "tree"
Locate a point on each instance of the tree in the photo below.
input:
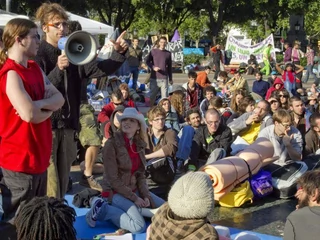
(164, 16)
(118, 13)
(195, 26)
(29, 7)
(237, 11)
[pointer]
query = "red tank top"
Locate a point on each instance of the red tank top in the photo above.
(24, 147)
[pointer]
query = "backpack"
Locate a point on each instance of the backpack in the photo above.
(284, 178)
(312, 161)
(261, 184)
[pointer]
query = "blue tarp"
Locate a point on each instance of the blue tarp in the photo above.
(187, 51)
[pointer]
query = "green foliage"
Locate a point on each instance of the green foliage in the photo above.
(279, 58)
(163, 16)
(195, 27)
(312, 20)
(192, 58)
(303, 61)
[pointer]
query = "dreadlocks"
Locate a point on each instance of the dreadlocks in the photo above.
(45, 218)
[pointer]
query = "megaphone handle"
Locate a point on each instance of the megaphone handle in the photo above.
(65, 80)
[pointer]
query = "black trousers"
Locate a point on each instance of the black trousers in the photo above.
(217, 70)
(18, 188)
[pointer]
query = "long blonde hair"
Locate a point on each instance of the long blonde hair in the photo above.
(17, 27)
(177, 101)
(233, 104)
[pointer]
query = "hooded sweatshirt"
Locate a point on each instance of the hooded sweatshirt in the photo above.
(166, 225)
(273, 87)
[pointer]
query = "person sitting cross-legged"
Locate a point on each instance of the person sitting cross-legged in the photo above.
(247, 127)
(249, 124)
(312, 137)
(124, 183)
(186, 134)
(161, 142)
(211, 142)
(209, 92)
(184, 216)
(285, 138)
(193, 93)
(172, 118)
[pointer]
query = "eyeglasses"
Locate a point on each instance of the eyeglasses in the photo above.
(58, 24)
(158, 119)
(118, 104)
(285, 96)
(286, 126)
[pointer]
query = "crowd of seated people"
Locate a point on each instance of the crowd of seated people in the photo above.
(192, 127)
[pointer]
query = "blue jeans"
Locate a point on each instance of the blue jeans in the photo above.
(135, 74)
(290, 87)
(125, 214)
(185, 142)
(308, 73)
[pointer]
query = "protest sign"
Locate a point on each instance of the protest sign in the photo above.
(175, 48)
(241, 52)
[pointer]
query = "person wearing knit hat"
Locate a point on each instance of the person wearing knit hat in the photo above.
(192, 196)
(125, 192)
(184, 216)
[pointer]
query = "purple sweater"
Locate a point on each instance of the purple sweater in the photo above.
(287, 55)
(162, 59)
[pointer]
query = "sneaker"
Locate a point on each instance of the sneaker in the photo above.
(91, 216)
(90, 182)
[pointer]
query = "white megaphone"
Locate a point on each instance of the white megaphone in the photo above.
(80, 47)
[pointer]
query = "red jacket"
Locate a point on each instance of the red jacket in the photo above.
(272, 88)
(25, 147)
(106, 112)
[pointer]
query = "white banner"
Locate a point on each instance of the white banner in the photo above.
(241, 52)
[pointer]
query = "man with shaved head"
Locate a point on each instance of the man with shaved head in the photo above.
(211, 142)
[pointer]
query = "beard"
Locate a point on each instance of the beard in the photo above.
(303, 202)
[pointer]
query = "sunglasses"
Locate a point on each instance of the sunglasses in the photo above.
(285, 96)
(273, 101)
(118, 104)
(58, 24)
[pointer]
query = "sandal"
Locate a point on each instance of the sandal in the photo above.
(119, 232)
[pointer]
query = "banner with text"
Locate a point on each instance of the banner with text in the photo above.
(175, 48)
(241, 52)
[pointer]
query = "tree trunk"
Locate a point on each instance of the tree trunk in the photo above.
(197, 43)
(214, 40)
(216, 24)
(266, 27)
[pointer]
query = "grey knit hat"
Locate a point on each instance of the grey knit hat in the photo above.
(191, 196)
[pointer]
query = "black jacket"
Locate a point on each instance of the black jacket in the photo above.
(200, 149)
(47, 58)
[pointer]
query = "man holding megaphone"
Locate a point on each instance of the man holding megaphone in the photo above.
(66, 75)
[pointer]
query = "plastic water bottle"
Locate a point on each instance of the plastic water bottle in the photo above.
(91, 88)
